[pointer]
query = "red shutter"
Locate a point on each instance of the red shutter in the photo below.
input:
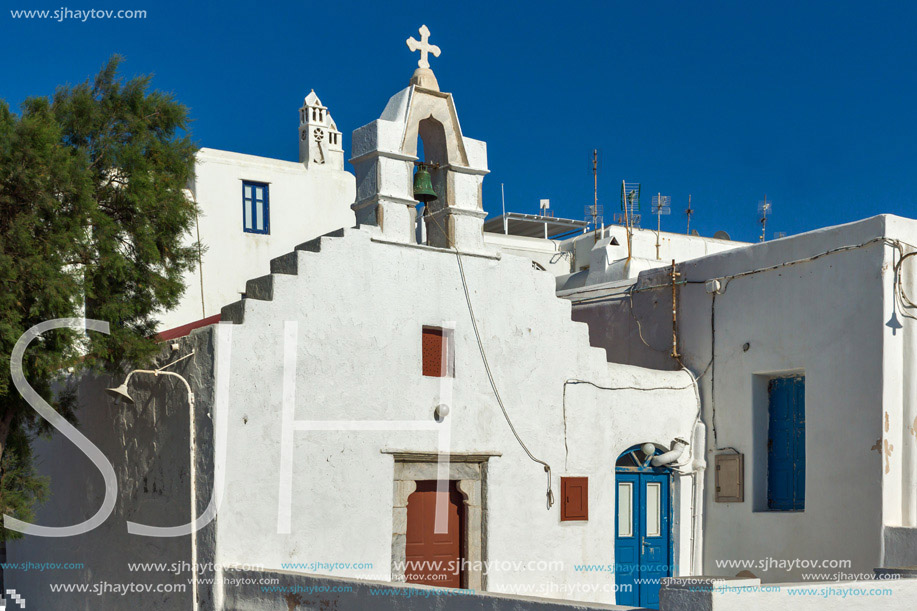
(433, 361)
(574, 493)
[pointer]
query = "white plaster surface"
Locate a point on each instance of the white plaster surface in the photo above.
(678, 246)
(827, 318)
(304, 203)
(360, 305)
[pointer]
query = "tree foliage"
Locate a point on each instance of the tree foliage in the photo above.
(93, 221)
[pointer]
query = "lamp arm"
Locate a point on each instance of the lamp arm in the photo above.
(163, 373)
(182, 378)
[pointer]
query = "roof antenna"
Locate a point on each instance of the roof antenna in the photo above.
(764, 208)
(688, 213)
(630, 208)
(661, 205)
(595, 211)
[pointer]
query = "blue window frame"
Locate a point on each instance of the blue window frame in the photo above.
(256, 217)
(786, 444)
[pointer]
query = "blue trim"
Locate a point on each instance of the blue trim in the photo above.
(251, 205)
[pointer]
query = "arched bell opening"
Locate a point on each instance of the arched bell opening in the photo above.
(432, 154)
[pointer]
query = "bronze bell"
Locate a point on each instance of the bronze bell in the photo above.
(423, 185)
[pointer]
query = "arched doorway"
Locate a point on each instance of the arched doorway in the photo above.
(643, 535)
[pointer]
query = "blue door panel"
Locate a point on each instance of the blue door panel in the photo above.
(627, 556)
(643, 557)
(654, 556)
(786, 444)
(800, 443)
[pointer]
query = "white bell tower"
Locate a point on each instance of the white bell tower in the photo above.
(320, 143)
(385, 153)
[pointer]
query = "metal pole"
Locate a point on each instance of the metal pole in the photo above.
(626, 217)
(503, 197)
(675, 276)
(595, 193)
(689, 212)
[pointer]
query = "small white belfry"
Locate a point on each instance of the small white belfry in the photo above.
(319, 138)
(386, 151)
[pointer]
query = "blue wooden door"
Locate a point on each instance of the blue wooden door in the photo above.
(627, 539)
(786, 444)
(642, 536)
(654, 529)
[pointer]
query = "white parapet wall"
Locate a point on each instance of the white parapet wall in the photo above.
(749, 594)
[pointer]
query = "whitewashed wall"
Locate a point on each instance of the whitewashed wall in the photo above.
(827, 318)
(360, 305)
(304, 203)
(678, 246)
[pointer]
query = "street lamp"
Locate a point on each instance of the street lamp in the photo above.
(120, 392)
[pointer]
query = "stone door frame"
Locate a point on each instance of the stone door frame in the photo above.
(470, 471)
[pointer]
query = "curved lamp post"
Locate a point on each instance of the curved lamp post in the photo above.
(120, 392)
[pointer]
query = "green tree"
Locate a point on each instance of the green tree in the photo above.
(94, 220)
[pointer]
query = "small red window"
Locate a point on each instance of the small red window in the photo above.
(437, 352)
(574, 494)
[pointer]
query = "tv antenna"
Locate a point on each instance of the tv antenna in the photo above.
(764, 208)
(779, 234)
(661, 205)
(630, 211)
(595, 210)
(688, 212)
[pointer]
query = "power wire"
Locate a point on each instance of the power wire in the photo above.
(490, 377)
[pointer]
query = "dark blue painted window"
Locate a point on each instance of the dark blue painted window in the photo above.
(256, 216)
(786, 444)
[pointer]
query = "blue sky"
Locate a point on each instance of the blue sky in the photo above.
(810, 103)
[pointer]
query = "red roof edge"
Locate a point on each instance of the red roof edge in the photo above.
(186, 329)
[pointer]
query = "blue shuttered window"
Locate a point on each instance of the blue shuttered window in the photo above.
(786, 444)
(255, 207)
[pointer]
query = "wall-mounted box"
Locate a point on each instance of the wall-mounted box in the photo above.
(574, 495)
(730, 478)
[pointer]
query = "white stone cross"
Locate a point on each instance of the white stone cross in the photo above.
(423, 46)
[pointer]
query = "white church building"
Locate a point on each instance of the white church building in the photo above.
(385, 400)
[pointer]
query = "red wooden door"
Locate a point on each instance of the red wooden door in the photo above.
(434, 559)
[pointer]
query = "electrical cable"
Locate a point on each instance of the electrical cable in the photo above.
(490, 377)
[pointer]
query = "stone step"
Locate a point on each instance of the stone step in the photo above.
(289, 263)
(238, 310)
(234, 312)
(260, 288)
